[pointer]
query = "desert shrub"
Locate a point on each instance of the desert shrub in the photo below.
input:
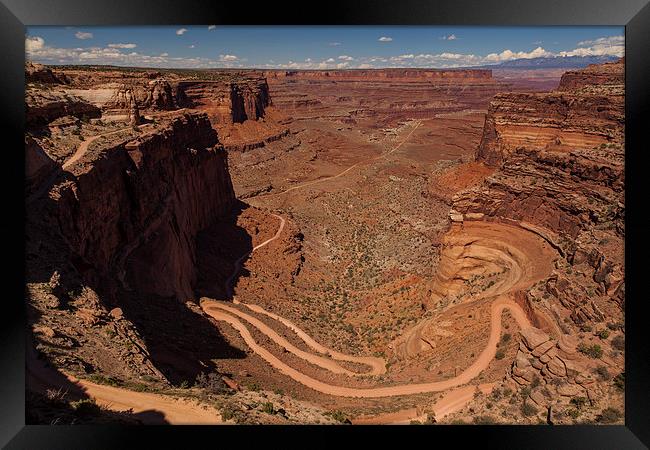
(593, 351)
(86, 408)
(211, 383)
(603, 334)
(609, 415)
(536, 382)
(618, 342)
(602, 373)
(415, 422)
(227, 413)
(339, 416)
(506, 338)
(458, 422)
(573, 413)
(55, 395)
(579, 402)
(500, 354)
(619, 381)
(103, 379)
(268, 408)
(528, 410)
(484, 420)
(507, 392)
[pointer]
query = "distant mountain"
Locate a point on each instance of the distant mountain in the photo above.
(555, 62)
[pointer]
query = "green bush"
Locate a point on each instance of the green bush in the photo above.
(268, 408)
(593, 351)
(603, 334)
(340, 416)
(500, 354)
(86, 408)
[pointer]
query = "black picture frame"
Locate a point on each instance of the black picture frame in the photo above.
(15, 15)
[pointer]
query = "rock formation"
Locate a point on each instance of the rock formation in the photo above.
(156, 192)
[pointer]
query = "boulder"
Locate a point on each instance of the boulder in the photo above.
(116, 313)
(533, 337)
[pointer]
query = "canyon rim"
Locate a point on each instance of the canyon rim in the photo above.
(407, 238)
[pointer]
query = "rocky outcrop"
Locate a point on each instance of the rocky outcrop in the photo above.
(38, 73)
(135, 211)
(560, 157)
(560, 120)
(594, 75)
(43, 107)
(226, 102)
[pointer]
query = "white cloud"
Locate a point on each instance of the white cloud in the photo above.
(343, 65)
(507, 55)
(164, 54)
(611, 45)
(228, 58)
(449, 37)
(334, 44)
(122, 45)
(211, 27)
(385, 39)
(365, 66)
(33, 43)
(191, 46)
(611, 40)
(83, 35)
(181, 31)
(346, 58)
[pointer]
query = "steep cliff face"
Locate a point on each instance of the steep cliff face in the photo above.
(226, 102)
(609, 74)
(543, 121)
(135, 211)
(560, 172)
(560, 156)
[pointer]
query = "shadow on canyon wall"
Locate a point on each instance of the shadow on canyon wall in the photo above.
(182, 342)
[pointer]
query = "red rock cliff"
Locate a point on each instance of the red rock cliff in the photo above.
(135, 211)
(226, 102)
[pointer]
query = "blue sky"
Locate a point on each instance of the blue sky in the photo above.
(313, 47)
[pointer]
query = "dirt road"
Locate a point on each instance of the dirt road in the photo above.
(321, 180)
(149, 407)
(241, 259)
(498, 306)
(83, 147)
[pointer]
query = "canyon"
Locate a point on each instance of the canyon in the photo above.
(364, 246)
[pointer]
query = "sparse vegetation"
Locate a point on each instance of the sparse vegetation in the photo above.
(528, 410)
(268, 408)
(619, 381)
(484, 420)
(609, 415)
(593, 351)
(618, 342)
(500, 354)
(86, 407)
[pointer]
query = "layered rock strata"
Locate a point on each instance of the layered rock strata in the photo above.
(137, 208)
